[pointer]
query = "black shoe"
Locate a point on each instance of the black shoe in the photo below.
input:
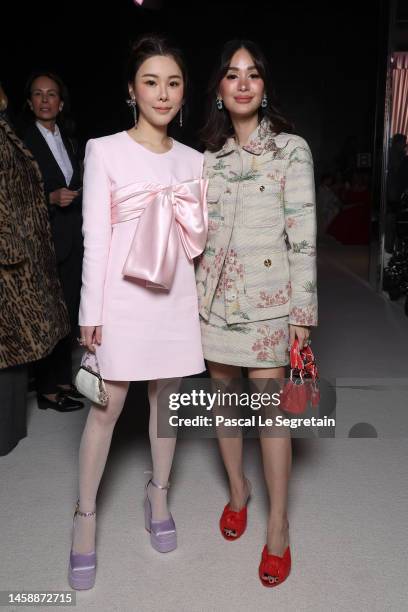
(63, 403)
(72, 392)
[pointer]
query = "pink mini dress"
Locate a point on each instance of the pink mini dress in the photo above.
(144, 221)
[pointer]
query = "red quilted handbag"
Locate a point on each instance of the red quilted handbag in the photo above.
(302, 386)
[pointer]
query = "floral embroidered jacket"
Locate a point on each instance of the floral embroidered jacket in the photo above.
(262, 224)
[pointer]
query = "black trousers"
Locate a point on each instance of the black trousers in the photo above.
(56, 368)
(13, 407)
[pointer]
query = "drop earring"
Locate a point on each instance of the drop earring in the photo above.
(181, 116)
(219, 103)
(131, 102)
(264, 102)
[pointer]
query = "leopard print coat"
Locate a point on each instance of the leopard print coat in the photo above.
(33, 314)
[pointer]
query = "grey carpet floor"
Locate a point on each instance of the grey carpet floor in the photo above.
(348, 496)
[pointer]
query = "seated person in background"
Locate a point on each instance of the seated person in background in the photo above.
(396, 160)
(338, 185)
(328, 204)
(351, 226)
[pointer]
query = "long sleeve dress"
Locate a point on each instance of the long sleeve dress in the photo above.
(144, 221)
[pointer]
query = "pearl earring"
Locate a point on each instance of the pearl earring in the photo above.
(181, 116)
(264, 102)
(219, 103)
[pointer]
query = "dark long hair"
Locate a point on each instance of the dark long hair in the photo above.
(218, 126)
(64, 119)
(150, 45)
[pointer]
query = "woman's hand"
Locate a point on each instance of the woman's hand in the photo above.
(299, 332)
(90, 336)
(62, 197)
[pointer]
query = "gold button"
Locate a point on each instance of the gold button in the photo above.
(267, 263)
(262, 188)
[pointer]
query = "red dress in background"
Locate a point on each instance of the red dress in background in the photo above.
(352, 224)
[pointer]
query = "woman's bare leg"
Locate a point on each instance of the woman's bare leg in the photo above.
(231, 448)
(93, 453)
(277, 462)
(162, 450)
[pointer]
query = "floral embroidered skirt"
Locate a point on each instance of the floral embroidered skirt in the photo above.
(259, 344)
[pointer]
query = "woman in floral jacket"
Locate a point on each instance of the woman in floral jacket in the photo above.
(256, 279)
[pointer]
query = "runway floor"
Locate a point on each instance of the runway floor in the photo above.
(348, 495)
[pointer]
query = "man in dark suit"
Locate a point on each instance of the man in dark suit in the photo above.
(57, 157)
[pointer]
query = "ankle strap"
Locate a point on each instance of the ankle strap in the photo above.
(151, 481)
(78, 511)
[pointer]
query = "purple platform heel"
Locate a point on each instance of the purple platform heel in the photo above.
(163, 536)
(82, 566)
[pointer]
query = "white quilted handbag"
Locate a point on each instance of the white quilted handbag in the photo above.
(89, 382)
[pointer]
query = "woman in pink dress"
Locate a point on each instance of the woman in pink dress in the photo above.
(144, 222)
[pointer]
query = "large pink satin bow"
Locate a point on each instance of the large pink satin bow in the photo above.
(172, 214)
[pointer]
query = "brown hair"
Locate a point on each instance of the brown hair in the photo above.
(218, 126)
